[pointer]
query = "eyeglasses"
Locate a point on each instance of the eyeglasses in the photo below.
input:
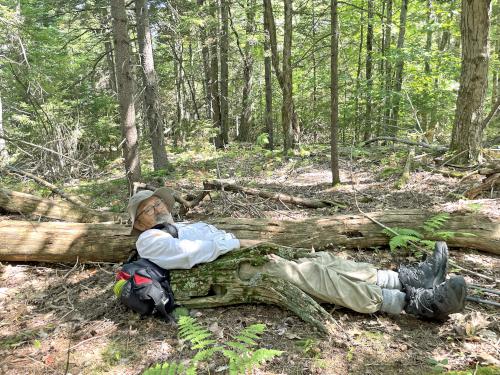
(149, 210)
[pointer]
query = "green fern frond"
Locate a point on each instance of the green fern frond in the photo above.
(402, 232)
(253, 330)
(428, 244)
(230, 354)
(247, 340)
(261, 355)
(238, 346)
(401, 241)
(436, 222)
(158, 369)
(444, 235)
(179, 370)
(206, 353)
(202, 344)
(193, 332)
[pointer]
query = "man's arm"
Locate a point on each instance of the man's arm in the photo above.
(172, 253)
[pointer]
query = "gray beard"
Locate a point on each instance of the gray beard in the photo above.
(164, 218)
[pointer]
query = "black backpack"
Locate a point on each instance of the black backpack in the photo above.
(147, 288)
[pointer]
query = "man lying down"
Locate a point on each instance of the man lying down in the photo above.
(422, 290)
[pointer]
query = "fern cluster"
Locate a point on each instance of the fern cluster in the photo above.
(404, 237)
(239, 352)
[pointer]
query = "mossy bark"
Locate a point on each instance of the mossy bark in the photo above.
(219, 284)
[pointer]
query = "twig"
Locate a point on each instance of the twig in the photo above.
(47, 184)
(479, 287)
(89, 339)
(484, 301)
(71, 270)
(67, 356)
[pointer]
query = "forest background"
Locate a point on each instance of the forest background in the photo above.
(239, 71)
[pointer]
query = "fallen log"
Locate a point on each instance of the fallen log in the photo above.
(491, 171)
(285, 198)
(30, 205)
(219, 283)
(406, 141)
(67, 242)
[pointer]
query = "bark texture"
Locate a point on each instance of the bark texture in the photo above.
(213, 41)
(398, 80)
(246, 99)
(219, 284)
(125, 91)
(224, 72)
(275, 60)
(468, 127)
(287, 106)
(334, 95)
(3, 149)
(369, 81)
(269, 86)
(150, 81)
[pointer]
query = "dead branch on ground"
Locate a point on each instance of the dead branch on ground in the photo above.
(406, 141)
(284, 198)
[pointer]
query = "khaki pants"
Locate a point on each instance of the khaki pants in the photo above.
(332, 279)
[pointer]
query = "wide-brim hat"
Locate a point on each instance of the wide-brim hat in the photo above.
(164, 193)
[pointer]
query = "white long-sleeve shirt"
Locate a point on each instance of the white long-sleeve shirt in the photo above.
(197, 243)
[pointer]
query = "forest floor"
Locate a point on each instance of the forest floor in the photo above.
(64, 319)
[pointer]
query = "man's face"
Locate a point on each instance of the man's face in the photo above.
(150, 212)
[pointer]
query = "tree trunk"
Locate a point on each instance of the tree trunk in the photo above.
(398, 84)
(150, 80)
(369, 78)
(214, 75)
(379, 111)
(108, 46)
(388, 72)
(334, 94)
(268, 13)
(427, 71)
(205, 57)
(269, 85)
(4, 155)
(314, 74)
(466, 138)
(125, 92)
(287, 106)
(64, 242)
(178, 133)
(358, 80)
(495, 86)
(224, 72)
(246, 103)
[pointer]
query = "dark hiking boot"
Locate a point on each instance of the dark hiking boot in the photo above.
(428, 273)
(439, 302)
